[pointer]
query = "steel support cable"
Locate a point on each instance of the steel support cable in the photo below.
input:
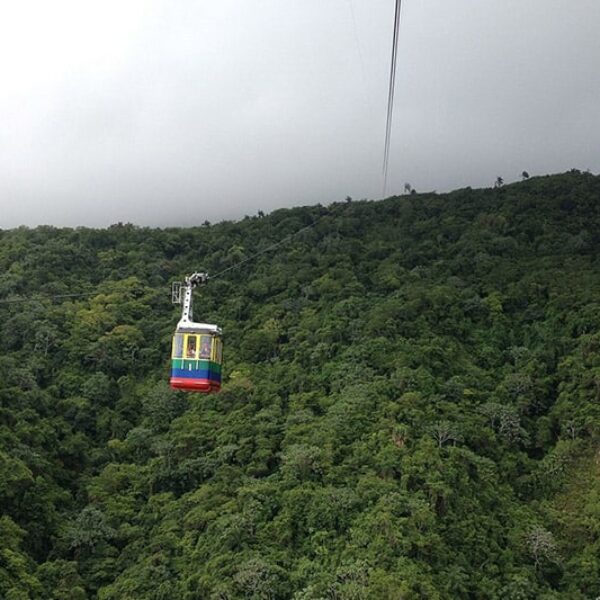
(271, 247)
(284, 240)
(388, 131)
(391, 91)
(47, 297)
(392, 76)
(361, 59)
(392, 82)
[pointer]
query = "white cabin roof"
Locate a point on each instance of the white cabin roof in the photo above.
(191, 326)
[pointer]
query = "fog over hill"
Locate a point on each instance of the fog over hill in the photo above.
(161, 113)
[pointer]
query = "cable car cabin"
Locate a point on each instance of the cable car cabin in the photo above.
(196, 358)
(197, 352)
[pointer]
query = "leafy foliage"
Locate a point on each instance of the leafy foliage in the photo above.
(411, 406)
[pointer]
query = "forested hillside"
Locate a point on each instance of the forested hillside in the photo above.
(410, 409)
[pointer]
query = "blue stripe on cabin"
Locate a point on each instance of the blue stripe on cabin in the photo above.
(196, 374)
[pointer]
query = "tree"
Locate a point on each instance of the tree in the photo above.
(258, 579)
(506, 421)
(541, 546)
(443, 432)
(89, 528)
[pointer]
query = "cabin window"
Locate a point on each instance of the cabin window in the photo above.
(205, 346)
(218, 350)
(190, 348)
(178, 345)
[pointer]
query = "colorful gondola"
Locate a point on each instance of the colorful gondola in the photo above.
(197, 350)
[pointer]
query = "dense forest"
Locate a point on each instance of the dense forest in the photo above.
(410, 408)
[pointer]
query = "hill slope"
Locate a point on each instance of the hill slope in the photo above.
(411, 406)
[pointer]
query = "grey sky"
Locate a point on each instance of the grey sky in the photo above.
(173, 112)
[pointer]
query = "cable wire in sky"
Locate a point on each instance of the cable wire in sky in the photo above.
(287, 238)
(238, 264)
(391, 90)
(360, 56)
(38, 297)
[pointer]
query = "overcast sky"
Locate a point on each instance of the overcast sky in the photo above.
(172, 112)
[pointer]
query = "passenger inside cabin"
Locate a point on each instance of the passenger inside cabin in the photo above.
(205, 347)
(190, 351)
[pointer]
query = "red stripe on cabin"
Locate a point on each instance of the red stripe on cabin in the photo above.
(196, 385)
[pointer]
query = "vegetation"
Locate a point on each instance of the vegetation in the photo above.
(411, 406)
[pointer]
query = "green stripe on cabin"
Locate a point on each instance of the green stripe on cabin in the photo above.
(184, 363)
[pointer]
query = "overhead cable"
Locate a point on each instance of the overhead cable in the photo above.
(271, 247)
(46, 297)
(284, 240)
(391, 90)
